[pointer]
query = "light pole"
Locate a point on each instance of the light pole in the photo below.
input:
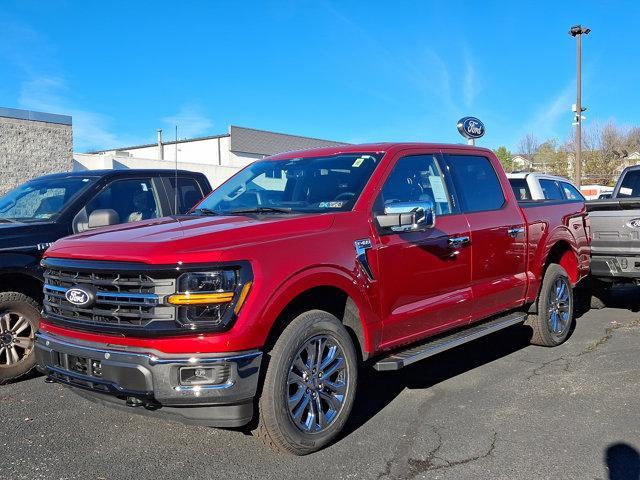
(577, 31)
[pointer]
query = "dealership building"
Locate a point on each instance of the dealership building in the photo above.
(217, 156)
(32, 144)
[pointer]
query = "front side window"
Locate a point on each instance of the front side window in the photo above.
(476, 183)
(571, 192)
(630, 184)
(551, 189)
(132, 199)
(415, 178)
(306, 184)
(41, 199)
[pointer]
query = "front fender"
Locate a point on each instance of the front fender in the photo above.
(355, 285)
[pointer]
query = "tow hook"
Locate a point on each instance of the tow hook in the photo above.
(134, 402)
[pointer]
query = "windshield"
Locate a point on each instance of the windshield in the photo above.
(40, 199)
(311, 184)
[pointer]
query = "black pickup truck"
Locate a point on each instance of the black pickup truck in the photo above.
(41, 211)
(615, 232)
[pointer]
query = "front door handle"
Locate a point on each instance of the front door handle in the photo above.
(455, 242)
(515, 231)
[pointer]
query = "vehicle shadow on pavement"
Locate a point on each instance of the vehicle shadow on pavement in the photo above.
(623, 462)
(376, 390)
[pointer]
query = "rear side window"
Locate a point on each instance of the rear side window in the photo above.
(520, 188)
(189, 193)
(551, 189)
(630, 184)
(476, 183)
(571, 192)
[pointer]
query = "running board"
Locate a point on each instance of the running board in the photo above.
(432, 347)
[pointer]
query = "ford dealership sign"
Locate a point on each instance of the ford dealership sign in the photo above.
(471, 128)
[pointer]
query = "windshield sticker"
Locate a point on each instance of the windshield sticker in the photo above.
(359, 161)
(331, 204)
(439, 193)
(626, 191)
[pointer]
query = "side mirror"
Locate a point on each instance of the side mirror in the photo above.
(408, 216)
(103, 218)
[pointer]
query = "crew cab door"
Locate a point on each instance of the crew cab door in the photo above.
(498, 232)
(424, 275)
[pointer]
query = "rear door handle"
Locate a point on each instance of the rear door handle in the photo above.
(514, 232)
(456, 242)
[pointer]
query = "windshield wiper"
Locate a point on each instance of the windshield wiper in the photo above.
(205, 211)
(8, 220)
(262, 210)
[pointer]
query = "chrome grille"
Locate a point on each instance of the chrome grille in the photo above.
(123, 301)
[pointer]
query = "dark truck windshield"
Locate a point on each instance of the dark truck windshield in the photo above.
(40, 199)
(630, 186)
(308, 184)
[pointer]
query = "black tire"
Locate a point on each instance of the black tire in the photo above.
(542, 323)
(276, 425)
(13, 307)
(600, 292)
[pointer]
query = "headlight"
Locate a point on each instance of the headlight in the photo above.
(210, 300)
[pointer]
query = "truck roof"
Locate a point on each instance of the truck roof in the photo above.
(371, 147)
(537, 175)
(119, 173)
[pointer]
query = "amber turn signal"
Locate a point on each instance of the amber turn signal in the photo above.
(200, 298)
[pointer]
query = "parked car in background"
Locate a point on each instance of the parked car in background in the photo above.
(592, 192)
(615, 228)
(540, 186)
(295, 271)
(42, 210)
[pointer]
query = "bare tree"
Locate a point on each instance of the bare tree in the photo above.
(605, 151)
(528, 146)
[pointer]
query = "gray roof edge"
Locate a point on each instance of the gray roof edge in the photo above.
(336, 142)
(34, 116)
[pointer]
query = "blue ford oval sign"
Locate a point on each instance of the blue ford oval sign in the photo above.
(79, 296)
(470, 127)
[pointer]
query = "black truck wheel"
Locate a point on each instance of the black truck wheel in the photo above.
(309, 386)
(552, 324)
(19, 318)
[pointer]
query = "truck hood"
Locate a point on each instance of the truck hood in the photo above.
(187, 239)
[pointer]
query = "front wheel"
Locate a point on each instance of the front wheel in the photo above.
(552, 324)
(19, 317)
(309, 386)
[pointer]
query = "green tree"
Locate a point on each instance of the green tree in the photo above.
(505, 157)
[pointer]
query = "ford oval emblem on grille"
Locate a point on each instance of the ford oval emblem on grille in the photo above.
(80, 296)
(635, 223)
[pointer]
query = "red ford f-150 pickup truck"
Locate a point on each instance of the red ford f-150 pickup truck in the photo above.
(260, 306)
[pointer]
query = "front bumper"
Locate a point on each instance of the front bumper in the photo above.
(155, 382)
(610, 266)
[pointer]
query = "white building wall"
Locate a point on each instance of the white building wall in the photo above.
(87, 161)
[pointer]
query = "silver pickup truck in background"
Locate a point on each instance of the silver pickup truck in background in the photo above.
(615, 232)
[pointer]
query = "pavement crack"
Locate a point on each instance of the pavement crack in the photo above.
(417, 466)
(608, 333)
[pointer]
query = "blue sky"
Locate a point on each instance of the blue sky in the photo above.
(350, 71)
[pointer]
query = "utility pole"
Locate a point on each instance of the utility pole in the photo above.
(577, 31)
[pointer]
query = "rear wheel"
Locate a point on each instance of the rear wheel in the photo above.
(19, 317)
(552, 324)
(309, 386)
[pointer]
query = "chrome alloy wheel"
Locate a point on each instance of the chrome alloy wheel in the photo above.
(317, 384)
(16, 338)
(559, 306)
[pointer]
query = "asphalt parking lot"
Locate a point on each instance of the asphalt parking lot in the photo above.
(497, 408)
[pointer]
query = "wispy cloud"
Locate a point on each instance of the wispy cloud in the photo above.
(472, 85)
(190, 122)
(544, 123)
(91, 130)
